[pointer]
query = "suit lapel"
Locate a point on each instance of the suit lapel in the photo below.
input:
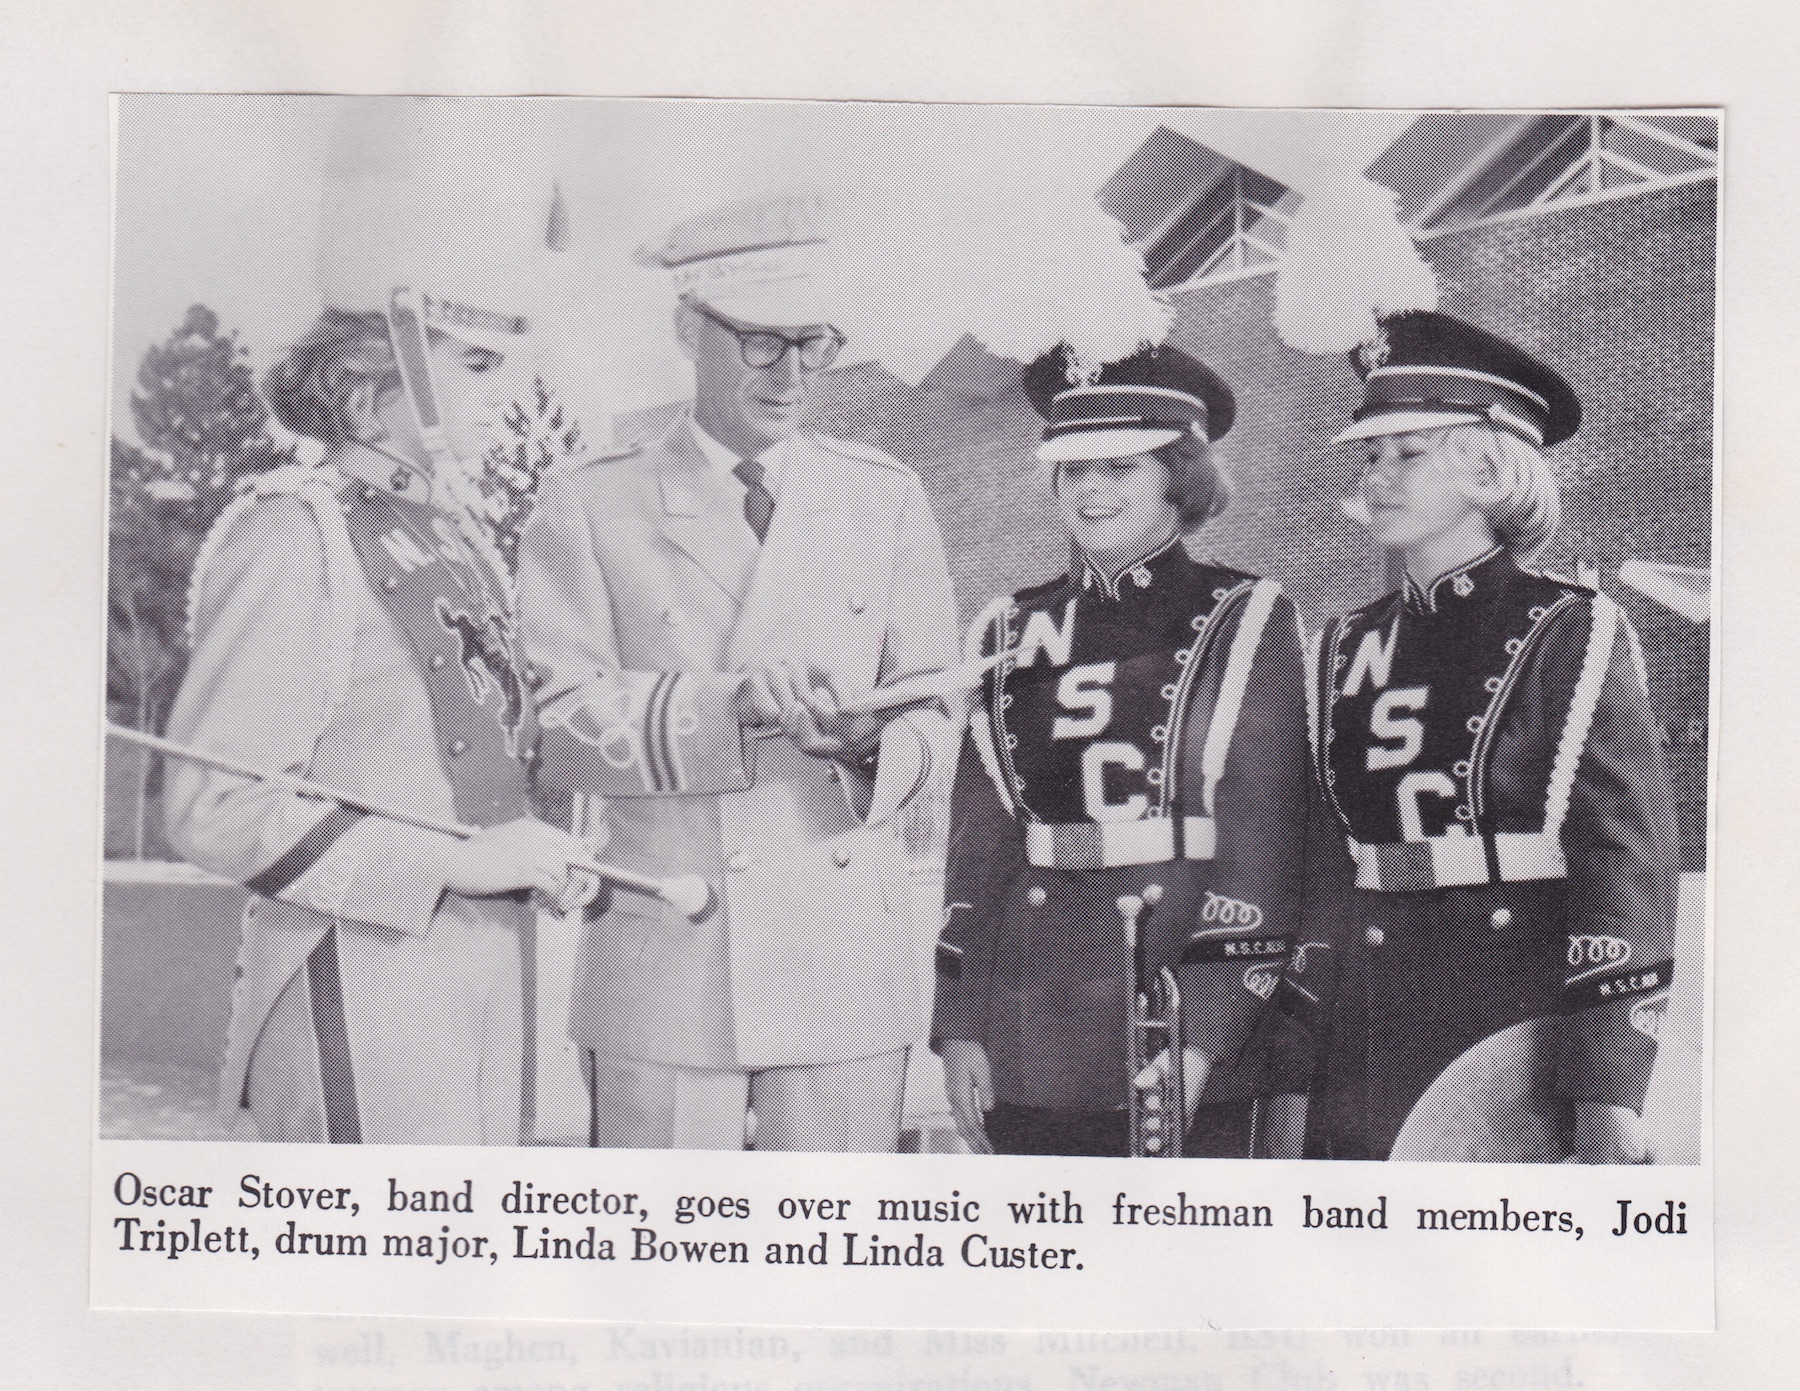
(785, 574)
(700, 519)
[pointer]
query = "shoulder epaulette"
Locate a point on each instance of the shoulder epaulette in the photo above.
(611, 454)
(866, 453)
(1033, 592)
(1227, 575)
(1562, 580)
(316, 487)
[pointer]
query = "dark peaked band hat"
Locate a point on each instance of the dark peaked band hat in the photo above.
(1426, 370)
(1132, 406)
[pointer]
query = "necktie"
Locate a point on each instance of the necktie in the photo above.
(759, 502)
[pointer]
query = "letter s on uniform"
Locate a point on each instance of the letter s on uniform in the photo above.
(1084, 688)
(1384, 724)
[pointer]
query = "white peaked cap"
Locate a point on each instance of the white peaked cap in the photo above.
(767, 261)
(442, 198)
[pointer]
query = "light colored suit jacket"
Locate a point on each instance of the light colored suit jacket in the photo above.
(642, 596)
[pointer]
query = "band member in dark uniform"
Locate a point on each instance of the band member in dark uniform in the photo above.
(1146, 728)
(1485, 744)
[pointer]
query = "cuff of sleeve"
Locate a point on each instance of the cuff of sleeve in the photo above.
(402, 887)
(1218, 1009)
(902, 771)
(1605, 1059)
(951, 1017)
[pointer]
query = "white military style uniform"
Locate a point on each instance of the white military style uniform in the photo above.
(643, 594)
(371, 1005)
(351, 624)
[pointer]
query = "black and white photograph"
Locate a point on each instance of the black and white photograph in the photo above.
(855, 628)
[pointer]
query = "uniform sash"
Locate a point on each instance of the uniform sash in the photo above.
(448, 602)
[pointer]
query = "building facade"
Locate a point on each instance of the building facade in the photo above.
(1590, 240)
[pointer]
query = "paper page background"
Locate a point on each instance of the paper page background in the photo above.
(60, 62)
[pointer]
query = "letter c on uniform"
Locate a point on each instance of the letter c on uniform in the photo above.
(1094, 763)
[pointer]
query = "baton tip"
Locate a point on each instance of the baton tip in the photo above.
(692, 896)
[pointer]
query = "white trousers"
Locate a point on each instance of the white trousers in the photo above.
(838, 1108)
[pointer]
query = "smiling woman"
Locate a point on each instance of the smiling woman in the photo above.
(1132, 810)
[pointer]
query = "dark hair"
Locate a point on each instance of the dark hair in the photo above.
(1197, 486)
(310, 389)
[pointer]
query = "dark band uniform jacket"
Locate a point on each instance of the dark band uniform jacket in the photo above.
(1487, 748)
(1149, 730)
(1486, 745)
(643, 596)
(345, 629)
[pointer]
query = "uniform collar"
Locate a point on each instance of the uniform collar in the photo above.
(1469, 582)
(389, 473)
(1140, 574)
(723, 460)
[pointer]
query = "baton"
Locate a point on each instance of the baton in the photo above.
(932, 686)
(688, 893)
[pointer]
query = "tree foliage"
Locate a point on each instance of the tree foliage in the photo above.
(537, 437)
(203, 428)
(197, 410)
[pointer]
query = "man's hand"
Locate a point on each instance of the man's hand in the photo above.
(522, 854)
(969, 1084)
(1194, 1067)
(1609, 1135)
(806, 709)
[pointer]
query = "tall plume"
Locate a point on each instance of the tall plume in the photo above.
(1349, 264)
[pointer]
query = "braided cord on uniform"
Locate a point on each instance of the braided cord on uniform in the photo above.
(1594, 666)
(1245, 644)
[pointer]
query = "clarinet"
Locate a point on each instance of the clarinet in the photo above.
(1152, 1026)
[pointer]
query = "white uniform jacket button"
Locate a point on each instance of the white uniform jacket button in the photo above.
(737, 862)
(1374, 936)
(1036, 896)
(673, 617)
(840, 856)
(437, 661)
(1501, 919)
(458, 747)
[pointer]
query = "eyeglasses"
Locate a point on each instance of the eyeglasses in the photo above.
(764, 347)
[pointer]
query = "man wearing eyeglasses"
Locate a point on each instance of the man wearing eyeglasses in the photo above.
(699, 611)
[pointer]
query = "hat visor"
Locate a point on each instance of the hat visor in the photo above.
(1080, 445)
(1405, 422)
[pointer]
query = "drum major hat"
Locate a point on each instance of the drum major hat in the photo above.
(767, 262)
(1427, 370)
(418, 201)
(1131, 406)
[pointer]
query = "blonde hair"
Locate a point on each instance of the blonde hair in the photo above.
(1521, 503)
